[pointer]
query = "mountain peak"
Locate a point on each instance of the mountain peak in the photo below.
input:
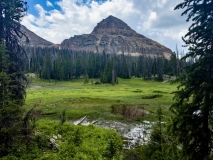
(109, 24)
(114, 36)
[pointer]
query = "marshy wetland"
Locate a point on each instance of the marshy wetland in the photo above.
(128, 107)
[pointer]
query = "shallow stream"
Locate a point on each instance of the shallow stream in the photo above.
(133, 134)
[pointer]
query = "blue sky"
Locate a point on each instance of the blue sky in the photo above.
(48, 5)
(43, 3)
(56, 20)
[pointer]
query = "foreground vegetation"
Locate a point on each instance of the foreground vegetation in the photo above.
(52, 140)
(53, 137)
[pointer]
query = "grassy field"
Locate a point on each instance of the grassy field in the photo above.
(79, 99)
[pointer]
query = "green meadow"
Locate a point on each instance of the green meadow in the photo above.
(96, 100)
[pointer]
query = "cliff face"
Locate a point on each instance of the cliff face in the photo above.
(34, 40)
(114, 36)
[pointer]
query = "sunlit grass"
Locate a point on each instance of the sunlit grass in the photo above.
(79, 99)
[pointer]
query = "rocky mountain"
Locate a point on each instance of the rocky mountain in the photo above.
(114, 36)
(34, 40)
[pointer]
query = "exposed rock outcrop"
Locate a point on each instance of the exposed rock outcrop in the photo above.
(114, 36)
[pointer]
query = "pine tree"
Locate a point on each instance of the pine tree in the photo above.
(160, 68)
(12, 80)
(173, 64)
(154, 146)
(193, 106)
(59, 68)
(11, 14)
(106, 77)
(10, 109)
(78, 66)
(125, 70)
(47, 69)
(68, 68)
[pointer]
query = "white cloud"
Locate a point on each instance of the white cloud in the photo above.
(157, 21)
(49, 4)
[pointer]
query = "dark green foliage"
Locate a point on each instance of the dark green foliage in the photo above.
(192, 109)
(86, 79)
(123, 68)
(28, 123)
(108, 75)
(63, 117)
(10, 109)
(51, 63)
(77, 137)
(74, 142)
(159, 68)
(10, 17)
(113, 148)
(47, 70)
(174, 70)
(155, 144)
(12, 80)
(193, 106)
(59, 68)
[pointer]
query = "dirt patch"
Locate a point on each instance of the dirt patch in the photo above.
(152, 96)
(132, 112)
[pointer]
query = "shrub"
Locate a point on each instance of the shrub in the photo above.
(97, 82)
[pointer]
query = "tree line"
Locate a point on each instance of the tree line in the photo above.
(53, 63)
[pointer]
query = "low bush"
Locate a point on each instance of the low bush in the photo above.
(52, 140)
(97, 82)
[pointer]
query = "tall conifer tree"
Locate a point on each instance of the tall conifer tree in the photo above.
(12, 80)
(11, 13)
(193, 106)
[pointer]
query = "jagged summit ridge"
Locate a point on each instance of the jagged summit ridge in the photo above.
(110, 23)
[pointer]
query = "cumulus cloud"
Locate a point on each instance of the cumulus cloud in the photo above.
(49, 4)
(155, 19)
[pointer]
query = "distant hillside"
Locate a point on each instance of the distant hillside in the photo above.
(34, 40)
(115, 36)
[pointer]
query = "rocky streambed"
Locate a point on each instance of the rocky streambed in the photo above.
(133, 134)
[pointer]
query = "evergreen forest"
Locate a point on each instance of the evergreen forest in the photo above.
(53, 63)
